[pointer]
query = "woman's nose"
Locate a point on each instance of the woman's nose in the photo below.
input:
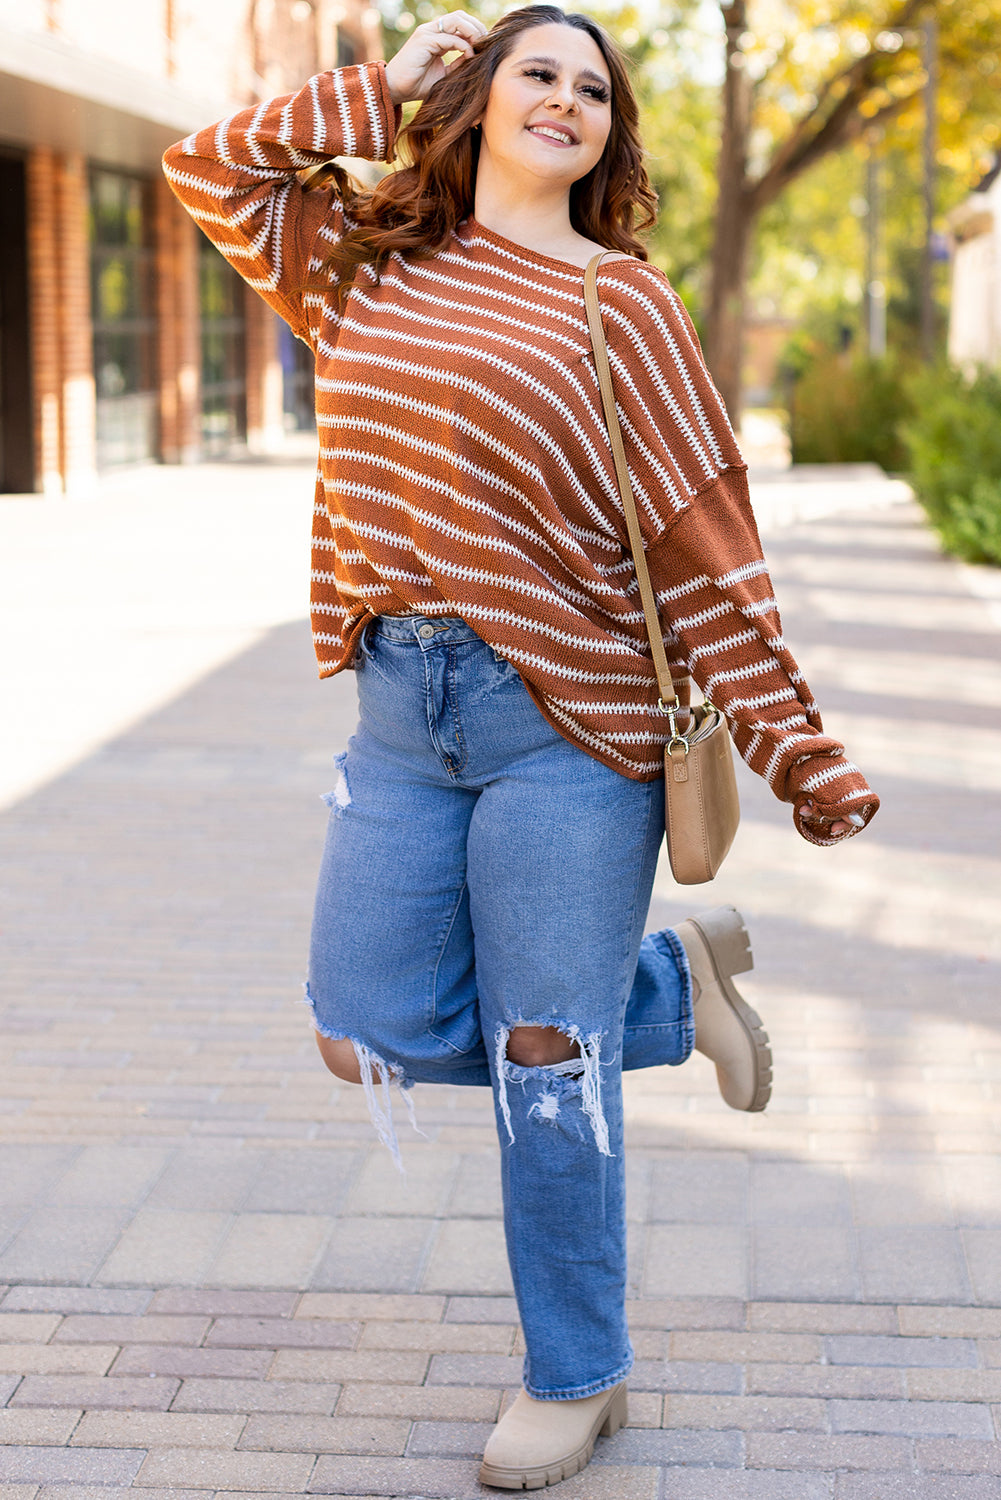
(562, 98)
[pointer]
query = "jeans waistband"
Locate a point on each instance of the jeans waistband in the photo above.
(423, 630)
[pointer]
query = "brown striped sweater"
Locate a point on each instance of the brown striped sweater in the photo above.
(465, 468)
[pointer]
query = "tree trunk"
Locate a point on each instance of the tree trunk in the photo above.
(734, 219)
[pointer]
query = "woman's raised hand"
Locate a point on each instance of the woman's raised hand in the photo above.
(420, 62)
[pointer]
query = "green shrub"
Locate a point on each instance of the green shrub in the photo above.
(848, 409)
(953, 443)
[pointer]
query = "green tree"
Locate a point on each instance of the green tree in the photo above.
(802, 82)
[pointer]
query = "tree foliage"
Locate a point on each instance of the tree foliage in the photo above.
(804, 82)
(823, 73)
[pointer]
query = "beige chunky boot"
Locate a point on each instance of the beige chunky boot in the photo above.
(727, 1030)
(537, 1443)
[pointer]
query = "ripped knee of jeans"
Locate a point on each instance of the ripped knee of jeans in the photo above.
(560, 1084)
(340, 798)
(378, 1078)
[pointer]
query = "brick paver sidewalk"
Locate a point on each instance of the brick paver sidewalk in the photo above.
(213, 1282)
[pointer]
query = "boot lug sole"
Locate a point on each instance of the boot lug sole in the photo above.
(729, 948)
(538, 1476)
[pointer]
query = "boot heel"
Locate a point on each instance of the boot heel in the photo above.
(618, 1413)
(724, 931)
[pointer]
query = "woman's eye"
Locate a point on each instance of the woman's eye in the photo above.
(590, 90)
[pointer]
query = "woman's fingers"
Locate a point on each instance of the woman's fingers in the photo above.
(840, 826)
(455, 32)
(420, 64)
(461, 24)
(836, 829)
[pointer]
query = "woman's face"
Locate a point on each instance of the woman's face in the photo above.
(549, 110)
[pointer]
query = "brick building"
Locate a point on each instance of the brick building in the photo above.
(124, 336)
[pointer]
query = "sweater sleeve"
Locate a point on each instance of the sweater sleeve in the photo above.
(714, 591)
(238, 179)
(705, 556)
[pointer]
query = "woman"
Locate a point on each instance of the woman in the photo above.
(496, 820)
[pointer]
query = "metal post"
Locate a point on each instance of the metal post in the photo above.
(928, 263)
(875, 289)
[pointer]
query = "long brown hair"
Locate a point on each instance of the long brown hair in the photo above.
(416, 209)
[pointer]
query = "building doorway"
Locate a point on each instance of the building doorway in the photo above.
(17, 467)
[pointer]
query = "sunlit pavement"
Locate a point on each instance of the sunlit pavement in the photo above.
(215, 1281)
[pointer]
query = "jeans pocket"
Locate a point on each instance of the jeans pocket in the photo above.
(363, 649)
(375, 653)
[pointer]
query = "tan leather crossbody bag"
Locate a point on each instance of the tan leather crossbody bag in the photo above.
(701, 807)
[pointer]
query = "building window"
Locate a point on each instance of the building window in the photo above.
(221, 301)
(123, 308)
(297, 381)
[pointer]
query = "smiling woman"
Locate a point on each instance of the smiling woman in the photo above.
(494, 830)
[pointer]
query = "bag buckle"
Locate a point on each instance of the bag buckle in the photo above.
(677, 738)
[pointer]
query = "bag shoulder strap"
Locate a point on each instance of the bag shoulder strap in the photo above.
(665, 682)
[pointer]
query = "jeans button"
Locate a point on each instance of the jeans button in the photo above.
(426, 631)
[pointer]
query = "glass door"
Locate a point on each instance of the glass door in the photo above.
(123, 308)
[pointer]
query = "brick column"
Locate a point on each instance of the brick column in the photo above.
(43, 297)
(178, 345)
(265, 385)
(78, 438)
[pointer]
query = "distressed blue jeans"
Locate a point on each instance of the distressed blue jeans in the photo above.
(481, 873)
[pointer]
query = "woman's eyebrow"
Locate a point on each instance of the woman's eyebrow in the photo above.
(551, 62)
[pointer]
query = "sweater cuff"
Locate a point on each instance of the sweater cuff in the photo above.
(837, 787)
(392, 112)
